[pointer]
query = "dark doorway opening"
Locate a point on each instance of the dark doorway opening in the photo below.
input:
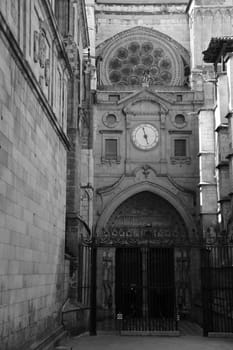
(161, 284)
(145, 288)
(129, 282)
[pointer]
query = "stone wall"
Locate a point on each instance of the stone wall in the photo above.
(32, 201)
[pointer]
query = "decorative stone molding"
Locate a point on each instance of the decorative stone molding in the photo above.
(110, 123)
(146, 172)
(156, 103)
(180, 160)
(179, 120)
(126, 192)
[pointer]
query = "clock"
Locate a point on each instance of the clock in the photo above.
(145, 136)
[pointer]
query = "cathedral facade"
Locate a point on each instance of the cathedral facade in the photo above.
(115, 167)
(161, 163)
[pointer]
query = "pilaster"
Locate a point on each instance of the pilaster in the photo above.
(208, 184)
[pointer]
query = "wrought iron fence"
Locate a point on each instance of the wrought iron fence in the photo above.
(142, 283)
(217, 288)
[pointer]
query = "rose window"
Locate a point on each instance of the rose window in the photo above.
(130, 63)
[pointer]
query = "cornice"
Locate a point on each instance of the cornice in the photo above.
(139, 7)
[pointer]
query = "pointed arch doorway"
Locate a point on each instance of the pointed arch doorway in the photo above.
(144, 253)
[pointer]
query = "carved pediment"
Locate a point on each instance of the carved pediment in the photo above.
(143, 107)
(144, 102)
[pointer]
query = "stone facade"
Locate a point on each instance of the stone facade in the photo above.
(173, 94)
(38, 80)
(159, 101)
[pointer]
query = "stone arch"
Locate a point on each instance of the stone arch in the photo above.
(166, 58)
(146, 186)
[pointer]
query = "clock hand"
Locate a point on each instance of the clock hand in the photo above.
(145, 135)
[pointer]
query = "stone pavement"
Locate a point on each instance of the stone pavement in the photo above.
(117, 342)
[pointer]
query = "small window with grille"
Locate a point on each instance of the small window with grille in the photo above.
(111, 149)
(180, 149)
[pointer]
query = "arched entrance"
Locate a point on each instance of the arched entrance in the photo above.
(144, 265)
(146, 209)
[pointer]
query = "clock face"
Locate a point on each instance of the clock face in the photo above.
(145, 136)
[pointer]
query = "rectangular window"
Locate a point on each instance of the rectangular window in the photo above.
(180, 148)
(111, 149)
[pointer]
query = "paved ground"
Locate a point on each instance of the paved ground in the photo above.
(115, 342)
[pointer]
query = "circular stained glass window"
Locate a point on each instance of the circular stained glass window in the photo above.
(134, 60)
(147, 60)
(158, 53)
(122, 53)
(115, 63)
(165, 64)
(115, 76)
(154, 71)
(147, 48)
(166, 76)
(126, 70)
(134, 47)
(139, 70)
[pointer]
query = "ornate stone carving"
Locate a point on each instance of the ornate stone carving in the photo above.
(36, 46)
(107, 278)
(110, 119)
(41, 80)
(42, 49)
(47, 72)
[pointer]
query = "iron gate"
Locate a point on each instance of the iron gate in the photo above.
(217, 288)
(139, 284)
(145, 289)
(145, 285)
